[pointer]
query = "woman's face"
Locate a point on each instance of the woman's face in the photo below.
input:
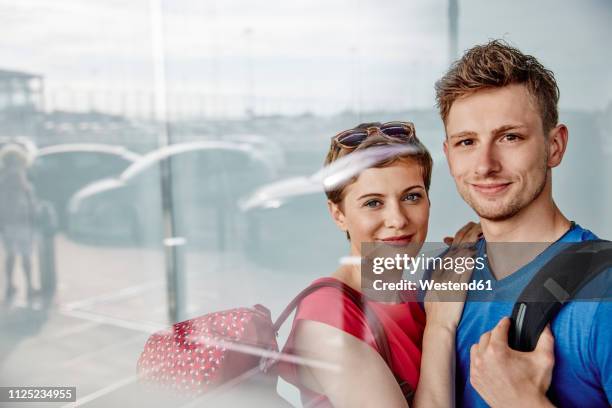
(387, 204)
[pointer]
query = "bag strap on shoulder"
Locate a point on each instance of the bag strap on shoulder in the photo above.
(557, 282)
(358, 299)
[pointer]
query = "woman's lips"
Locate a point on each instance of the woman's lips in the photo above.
(399, 240)
(491, 189)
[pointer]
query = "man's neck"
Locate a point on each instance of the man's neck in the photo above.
(543, 223)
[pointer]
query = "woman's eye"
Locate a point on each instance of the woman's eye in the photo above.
(372, 203)
(413, 197)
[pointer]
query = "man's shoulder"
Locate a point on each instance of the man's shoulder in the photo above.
(577, 233)
(600, 286)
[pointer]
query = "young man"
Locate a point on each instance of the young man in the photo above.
(503, 139)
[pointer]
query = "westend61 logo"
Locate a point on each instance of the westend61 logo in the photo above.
(431, 284)
(388, 269)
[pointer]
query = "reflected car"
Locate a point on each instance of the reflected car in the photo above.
(59, 171)
(205, 181)
(290, 228)
(289, 225)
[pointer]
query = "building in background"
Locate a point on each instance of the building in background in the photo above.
(21, 103)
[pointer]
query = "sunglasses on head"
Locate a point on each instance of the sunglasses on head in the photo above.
(350, 139)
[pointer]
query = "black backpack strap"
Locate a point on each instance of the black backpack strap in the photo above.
(358, 299)
(557, 282)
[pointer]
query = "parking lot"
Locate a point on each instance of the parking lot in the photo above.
(108, 301)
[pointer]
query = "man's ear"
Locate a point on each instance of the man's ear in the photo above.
(445, 149)
(337, 215)
(557, 143)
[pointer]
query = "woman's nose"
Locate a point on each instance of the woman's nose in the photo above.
(395, 217)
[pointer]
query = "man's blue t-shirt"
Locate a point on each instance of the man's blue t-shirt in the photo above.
(582, 375)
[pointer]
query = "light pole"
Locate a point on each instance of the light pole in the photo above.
(453, 29)
(173, 245)
(250, 102)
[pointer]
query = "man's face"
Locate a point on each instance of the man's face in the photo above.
(497, 151)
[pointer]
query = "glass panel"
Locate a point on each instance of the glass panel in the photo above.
(235, 102)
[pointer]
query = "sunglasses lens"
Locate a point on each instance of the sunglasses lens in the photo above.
(352, 139)
(395, 131)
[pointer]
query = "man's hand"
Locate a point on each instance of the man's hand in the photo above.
(444, 308)
(508, 378)
(470, 232)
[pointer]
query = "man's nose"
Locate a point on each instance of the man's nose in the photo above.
(486, 160)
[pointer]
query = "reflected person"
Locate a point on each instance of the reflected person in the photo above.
(17, 215)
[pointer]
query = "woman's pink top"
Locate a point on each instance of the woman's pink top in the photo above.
(403, 324)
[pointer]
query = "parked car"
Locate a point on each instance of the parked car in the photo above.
(296, 234)
(59, 171)
(206, 180)
(289, 226)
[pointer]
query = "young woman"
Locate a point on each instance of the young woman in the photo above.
(388, 203)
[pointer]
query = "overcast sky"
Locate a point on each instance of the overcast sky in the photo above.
(297, 55)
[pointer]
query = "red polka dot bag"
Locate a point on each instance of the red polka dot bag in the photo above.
(227, 347)
(201, 354)
(198, 354)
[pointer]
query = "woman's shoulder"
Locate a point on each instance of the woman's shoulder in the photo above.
(325, 323)
(332, 306)
(331, 292)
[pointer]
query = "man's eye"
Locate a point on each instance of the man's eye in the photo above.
(372, 203)
(465, 142)
(511, 137)
(413, 197)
